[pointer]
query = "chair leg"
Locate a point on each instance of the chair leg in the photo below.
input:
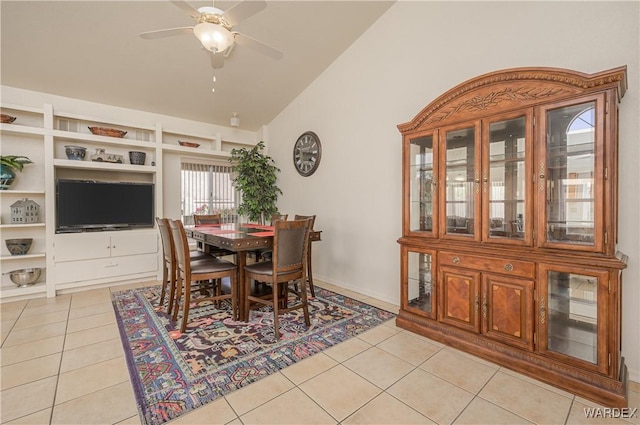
(172, 291)
(305, 301)
(177, 297)
(246, 301)
(186, 306)
(164, 283)
(276, 302)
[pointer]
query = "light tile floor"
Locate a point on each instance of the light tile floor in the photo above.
(63, 363)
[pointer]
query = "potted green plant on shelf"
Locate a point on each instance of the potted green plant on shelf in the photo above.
(9, 165)
(255, 177)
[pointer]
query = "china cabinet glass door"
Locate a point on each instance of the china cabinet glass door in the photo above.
(461, 174)
(571, 175)
(421, 283)
(422, 185)
(505, 186)
(572, 313)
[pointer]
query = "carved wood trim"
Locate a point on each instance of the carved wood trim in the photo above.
(522, 85)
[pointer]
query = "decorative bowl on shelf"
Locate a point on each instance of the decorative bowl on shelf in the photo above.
(137, 158)
(188, 144)
(76, 153)
(19, 246)
(6, 119)
(104, 131)
(25, 277)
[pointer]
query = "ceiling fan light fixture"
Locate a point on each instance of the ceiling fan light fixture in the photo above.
(213, 37)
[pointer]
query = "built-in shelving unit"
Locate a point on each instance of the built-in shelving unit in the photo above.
(25, 136)
(42, 134)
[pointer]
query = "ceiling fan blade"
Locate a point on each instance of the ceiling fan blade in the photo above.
(217, 60)
(186, 8)
(241, 11)
(169, 32)
(227, 52)
(259, 46)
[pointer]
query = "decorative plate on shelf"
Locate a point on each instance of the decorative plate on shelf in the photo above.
(104, 131)
(188, 144)
(6, 119)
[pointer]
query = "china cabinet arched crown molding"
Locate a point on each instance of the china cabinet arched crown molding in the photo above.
(516, 87)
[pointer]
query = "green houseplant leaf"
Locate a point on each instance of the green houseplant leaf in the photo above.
(15, 162)
(256, 178)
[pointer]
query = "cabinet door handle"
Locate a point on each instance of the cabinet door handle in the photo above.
(508, 267)
(541, 176)
(476, 303)
(543, 311)
(455, 260)
(485, 181)
(484, 306)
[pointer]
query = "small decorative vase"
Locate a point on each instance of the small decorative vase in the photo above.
(137, 158)
(7, 176)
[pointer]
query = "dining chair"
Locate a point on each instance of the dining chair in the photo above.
(289, 262)
(169, 266)
(309, 269)
(204, 270)
(204, 219)
(265, 254)
(200, 219)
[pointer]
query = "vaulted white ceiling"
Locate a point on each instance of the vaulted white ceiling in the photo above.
(91, 50)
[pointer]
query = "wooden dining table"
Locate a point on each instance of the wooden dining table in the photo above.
(240, 239)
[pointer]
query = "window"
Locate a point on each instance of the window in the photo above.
(208, 189)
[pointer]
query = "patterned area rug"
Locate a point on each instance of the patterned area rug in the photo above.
(174, 373)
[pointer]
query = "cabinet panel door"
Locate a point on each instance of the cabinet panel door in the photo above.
(418, 271)
(460, 176)
(570, 173)
(459, 298)
(507, 310)
(84, 246)
(506, 178)
(573, 315)
(133, 243)
(422, 182)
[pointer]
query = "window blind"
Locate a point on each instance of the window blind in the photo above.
(208, 189)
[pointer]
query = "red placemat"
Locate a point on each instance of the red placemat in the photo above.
(263, 234)
(219, 231)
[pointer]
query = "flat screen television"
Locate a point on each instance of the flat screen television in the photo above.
(85, 205)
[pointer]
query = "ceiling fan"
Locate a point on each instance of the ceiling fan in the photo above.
(214, 29)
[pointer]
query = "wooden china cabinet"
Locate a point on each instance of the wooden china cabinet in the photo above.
(509, 227)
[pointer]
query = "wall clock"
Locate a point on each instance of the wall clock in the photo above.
(306, 153)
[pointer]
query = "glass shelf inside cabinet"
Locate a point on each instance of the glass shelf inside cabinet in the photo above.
(571, 168)
(422, 181)
(505, 185)
(420, 283)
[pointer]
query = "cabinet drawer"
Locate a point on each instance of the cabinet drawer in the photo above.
(86, 270)
(493, 265)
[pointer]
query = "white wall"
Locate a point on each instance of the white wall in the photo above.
(415, 52)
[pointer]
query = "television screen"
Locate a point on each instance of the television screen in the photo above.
(92, 205)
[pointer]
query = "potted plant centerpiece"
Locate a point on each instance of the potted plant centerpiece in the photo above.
(255, 177)
(9, 164)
